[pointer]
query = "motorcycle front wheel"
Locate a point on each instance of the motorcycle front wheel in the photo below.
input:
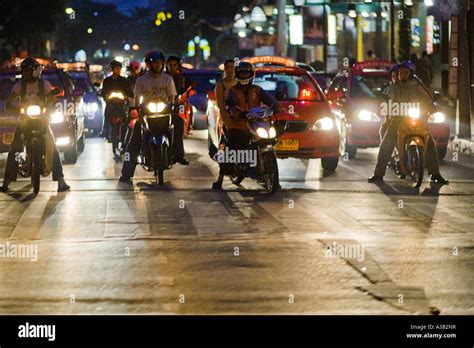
(271, 178)
(159, 159)
(416, 164)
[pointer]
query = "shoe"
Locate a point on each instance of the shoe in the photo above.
(217, 186)
(125, 180)
(63, 187)
(183, 161)
(5, 185)
(439, 179)
(375, 178)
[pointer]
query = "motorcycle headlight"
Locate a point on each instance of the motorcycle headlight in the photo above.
(272, 133)
(323, 124)
(262, 132)
(156, 107)
(116, 95)
(369, 116)
(33, 110)
(414, 113)
(437, 117)
(56, 117)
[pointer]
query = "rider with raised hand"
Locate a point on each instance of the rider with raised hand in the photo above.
(153, 84)
(240, 99)
(406, 90)
(31, 89)
(113, 83)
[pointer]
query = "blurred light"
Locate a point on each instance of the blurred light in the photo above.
(242, 34)
(69, 11)
(239, 22)
(368, 1)
(258, 28)
(428, 2)
(364, 14)
(352, 14)
(126, 47)
(296, 29)
(96, 14)
(104, 42)
(135, 47)
(81, 56)
(275, 11)
(245, 9)
(197, 39)
(384, 14)
(332, 34)
(89, 30)
(258, 15)
(119, 59)
(299, 2)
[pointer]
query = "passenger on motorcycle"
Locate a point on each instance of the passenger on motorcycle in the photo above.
(240, 99)
(113, 83)
(406, 90)
(153, 84)
(173, 66)
(31, 89)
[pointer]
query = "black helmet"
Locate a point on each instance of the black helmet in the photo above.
(244, 72)
(153, 56)
(33, 67)
(29, 63)
(115, 63)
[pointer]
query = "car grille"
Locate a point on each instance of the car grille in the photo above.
(296, 126)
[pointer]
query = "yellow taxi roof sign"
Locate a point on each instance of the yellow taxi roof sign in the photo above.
(283, 61)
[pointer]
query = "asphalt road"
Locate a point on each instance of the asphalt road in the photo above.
(322, 245)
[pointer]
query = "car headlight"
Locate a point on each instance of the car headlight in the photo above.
(156, 107)
(262, 132)
(437, 117)
(366, 115)
(414, 113)
(33, 110)
(323, 124)
(56, 117)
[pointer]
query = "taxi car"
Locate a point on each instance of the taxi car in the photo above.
(66, 121)
(355, 98)
(311, 130)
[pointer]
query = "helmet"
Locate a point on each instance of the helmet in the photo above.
(115, 63)
(394, 68)
(32, 66)
(244, 73)
(407, 64)
(134, 66)
(153, 56)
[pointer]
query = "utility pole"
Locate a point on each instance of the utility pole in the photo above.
(464, 70)
(281, 42)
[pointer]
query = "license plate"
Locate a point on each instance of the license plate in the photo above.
(7, 138)
(287, 145)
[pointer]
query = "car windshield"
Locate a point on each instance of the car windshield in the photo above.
(368, 86)
(287, 86)
(7, 81)
(205, 82)
(83, 84)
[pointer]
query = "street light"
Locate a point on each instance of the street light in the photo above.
(89, 30)
(69, 11)
(135, 47)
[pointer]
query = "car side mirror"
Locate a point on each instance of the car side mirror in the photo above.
(211, 95)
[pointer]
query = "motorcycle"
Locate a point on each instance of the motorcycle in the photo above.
(264, 129)
(116, 103)
(412, 143)
(157, 129)
(185, 109)
(39, 143)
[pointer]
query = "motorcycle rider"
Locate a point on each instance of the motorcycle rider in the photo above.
(393, 80)
(150, 85)
(407, 90)
(31, 89)
(241, 97)
(173, 65)
(135, 69)
(113, 83)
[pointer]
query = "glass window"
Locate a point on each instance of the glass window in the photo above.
(287, 86)
(368, 86)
